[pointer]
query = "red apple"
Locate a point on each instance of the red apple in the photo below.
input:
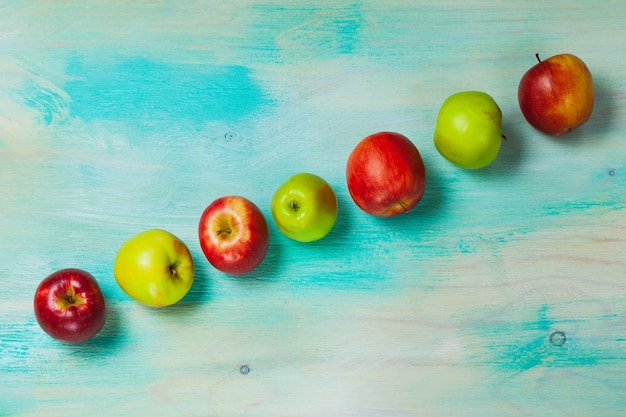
(385, 174)
(69, 305)
(233, 235)
(556, 95)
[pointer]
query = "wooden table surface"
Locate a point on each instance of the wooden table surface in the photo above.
(503, 293)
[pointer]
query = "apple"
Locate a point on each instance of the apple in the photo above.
(233, 235)
(385, 174)
(556, 95)
(69, 305)
(154, 268)
(304, 207)
(468, 132)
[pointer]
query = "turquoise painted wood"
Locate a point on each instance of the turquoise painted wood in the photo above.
(502, 294)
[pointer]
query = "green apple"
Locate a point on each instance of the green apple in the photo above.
(304, 207)
(469, 129)
(154, 268)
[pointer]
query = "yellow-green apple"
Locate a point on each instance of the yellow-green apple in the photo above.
(70, 306)
(385, 174)
(304, 207)
(154, 268)
(556, 95)
(233, 235)
(468, 132)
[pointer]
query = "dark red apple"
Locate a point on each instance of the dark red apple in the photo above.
(385, 174)
(233, 235)
(556, 95)
(69, 305)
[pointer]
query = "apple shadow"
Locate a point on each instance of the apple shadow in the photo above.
(341, 231)
(198, 295)
(200, 291)
(603, 116)
(339, 236)
(107, 340)
(429, 209)
(184, 309)
(269, 270)
(433, 201)
(511, 152)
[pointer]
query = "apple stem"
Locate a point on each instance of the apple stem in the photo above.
(173, 270)
(70, 296)
(403, 206)
(537, 56)
(504, 137)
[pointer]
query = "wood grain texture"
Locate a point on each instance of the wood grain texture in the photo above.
(502, 294)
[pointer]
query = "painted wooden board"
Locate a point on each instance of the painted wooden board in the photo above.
(502, 294)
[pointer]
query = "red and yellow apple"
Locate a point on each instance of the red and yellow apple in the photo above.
(556, 95)
(233, 234)
(385, 174)
(70, 306)
(154, 268)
